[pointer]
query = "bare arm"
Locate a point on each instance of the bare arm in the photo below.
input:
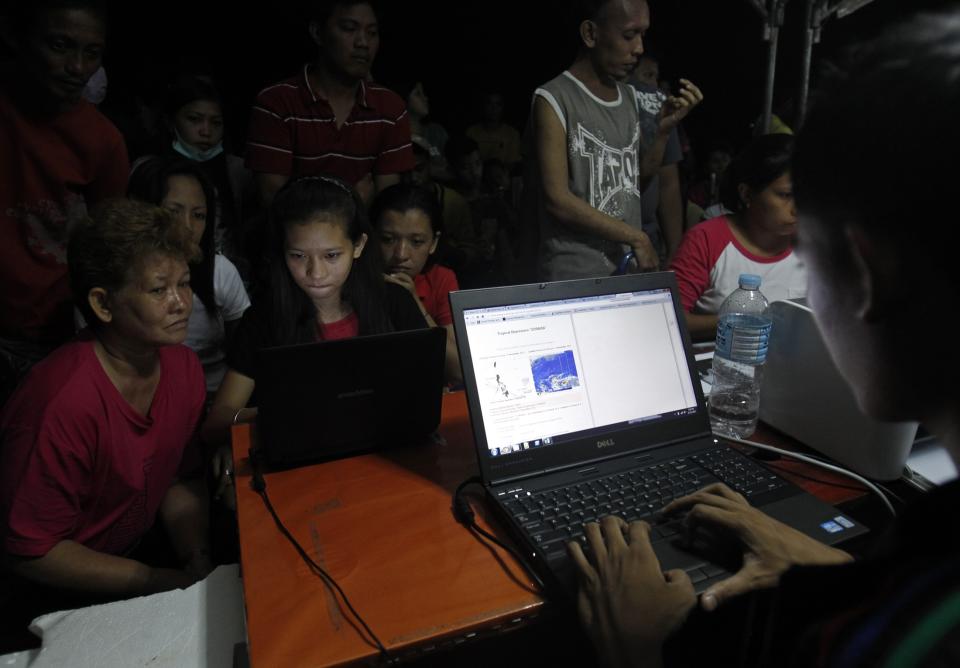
(669, 209)
(229, 407)
(268, 185)
(674, 109)
(702, 326)
(551, 148)
(452, 364)
(652, 159)
(184, 514)
(70, 565)
(233, 395)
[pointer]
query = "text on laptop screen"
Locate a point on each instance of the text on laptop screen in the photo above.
(552, 371)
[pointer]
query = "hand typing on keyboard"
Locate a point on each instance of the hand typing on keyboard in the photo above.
(626, 603)
(769, 546)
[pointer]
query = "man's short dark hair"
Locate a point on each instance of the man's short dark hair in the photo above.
(23, 14)
(321, 10)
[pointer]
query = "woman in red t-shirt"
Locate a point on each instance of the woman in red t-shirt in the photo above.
(97, 438)
(407, 220)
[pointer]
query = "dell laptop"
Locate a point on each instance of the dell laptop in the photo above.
(585, 401)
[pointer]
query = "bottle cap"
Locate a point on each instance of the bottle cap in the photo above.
(749, 281)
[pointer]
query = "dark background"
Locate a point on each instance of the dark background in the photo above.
(458, 49)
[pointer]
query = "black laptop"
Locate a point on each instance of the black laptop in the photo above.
(333, 399)
(585, 401)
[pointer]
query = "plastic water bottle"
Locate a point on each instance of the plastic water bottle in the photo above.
(743, 334)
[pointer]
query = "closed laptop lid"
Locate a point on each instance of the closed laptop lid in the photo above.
(804, 396)
(562, 374)
(336, 398)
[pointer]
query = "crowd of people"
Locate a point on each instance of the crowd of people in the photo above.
(137, 288)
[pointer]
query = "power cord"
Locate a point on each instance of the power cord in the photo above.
(817, 462)
(464, 514)
(259, 485)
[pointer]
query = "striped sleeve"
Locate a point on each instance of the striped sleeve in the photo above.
(269, 142)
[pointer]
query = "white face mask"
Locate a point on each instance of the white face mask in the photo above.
(188, 151)
(96, 89)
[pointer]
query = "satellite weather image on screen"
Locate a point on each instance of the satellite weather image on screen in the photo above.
(555, 373)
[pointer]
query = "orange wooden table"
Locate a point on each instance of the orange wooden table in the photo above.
(381, 525)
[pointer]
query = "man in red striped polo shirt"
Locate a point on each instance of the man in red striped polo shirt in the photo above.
(330, 119)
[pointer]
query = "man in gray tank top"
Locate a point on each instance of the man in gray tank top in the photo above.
(588, 170)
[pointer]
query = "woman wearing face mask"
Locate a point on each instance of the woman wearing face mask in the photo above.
(195, 122)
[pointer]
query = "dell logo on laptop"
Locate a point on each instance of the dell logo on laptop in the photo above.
(606, 443)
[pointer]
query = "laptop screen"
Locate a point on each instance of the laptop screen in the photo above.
(561, 371)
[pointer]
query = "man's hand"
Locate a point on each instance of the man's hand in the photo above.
(676, 107)
(646, 254)
(769, 546)
(626, 603)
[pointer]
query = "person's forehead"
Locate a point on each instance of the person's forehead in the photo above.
(412, 222)
(208, 107)
(153, 264)
(180, 185)
(81, 24)
(361, 12)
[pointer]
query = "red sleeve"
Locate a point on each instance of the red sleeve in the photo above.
(444, 284)
(44, 469)
(396, 154)
(692, 264)
(269, 144)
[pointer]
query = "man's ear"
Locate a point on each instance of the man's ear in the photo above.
(316, 32)
(588, 33)
(876, 269)
(99, 301)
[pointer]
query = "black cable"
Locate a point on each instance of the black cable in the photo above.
(259, 485)
(890, 492)
(464, 514)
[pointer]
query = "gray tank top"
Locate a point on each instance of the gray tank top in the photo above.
(603, 158)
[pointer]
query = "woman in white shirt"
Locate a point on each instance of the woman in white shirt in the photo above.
(219, 296)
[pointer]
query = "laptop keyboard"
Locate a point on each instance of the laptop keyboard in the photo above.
(556, 516)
